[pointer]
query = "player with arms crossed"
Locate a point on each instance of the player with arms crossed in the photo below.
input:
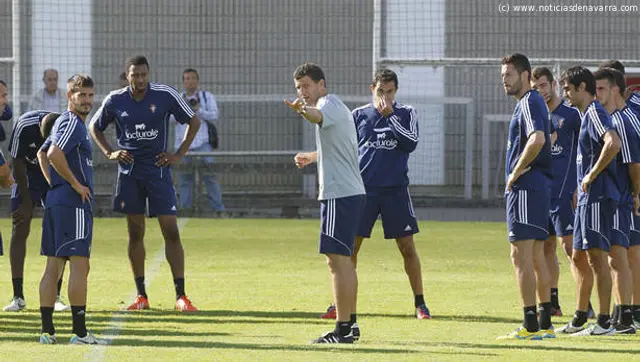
(67, 225)
(528, 186)
(141, 113)
(598, 195)
(566, 122)
(341, 190)
(29, 190)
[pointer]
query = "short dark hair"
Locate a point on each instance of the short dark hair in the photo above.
(78, 81)
(44, 73)
(190, 70)
(614, 76)
(615, 64)
(519, 61)
(136, 60)
(384, 75)
(309, 69)
(539, 72)
(577, 75)
(3, 83)
(123, 76)
(47, 124)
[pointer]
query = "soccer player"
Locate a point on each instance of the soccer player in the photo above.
(387, 134)
(598, 194)
(528, 185)
(610, 88)
(141, 113)
(67, 226)
(633, 102)
(341, 190)
(566, 122)
(29, 190)
(632, 99)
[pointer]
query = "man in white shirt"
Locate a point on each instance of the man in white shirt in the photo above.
(204, 104)
(50, 98)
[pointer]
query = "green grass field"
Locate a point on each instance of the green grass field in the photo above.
(260, 285)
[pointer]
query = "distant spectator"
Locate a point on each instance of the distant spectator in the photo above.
(204, 104)
(50, 98)
(5, 112)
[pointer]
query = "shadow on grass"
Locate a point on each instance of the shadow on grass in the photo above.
(531, 345)
(246, 316)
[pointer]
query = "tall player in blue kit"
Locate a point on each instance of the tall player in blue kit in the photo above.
(141, 114)
(566, 123)
(598, 195)
(633, 102)
(528, 184)
(610, 87)
(67, 225)
(29, 191)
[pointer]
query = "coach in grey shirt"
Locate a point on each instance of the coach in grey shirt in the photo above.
(341, 190)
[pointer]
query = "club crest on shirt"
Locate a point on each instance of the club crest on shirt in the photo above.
(558, 122)
(152, 108)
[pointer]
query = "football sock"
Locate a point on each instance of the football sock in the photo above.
(17, 287)
(343, 328)
(626, 315)
(636, 312)
(353, 319)
(545, 315)
(46, 314)
(140, 286)
(530, 319)
(554, 298)
(78, 315)
(179, 284)
(579, 318)
(604, 321)
(419, 300)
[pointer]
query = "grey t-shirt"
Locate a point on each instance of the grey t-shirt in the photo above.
(337, 146)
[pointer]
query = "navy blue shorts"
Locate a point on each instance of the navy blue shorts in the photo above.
(38, 195)
(340, 218)
(395, 207)
(621, 227)
(134, 196)
(66, 231)
(528, 214)
(634, 234)
(561, 217)
(593, 225)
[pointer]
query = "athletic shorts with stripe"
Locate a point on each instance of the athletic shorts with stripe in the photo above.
(634, 234)
(66, 231)
(621, 227)
(340, 218)
(561, 217)
(395, 206)
(528, 214)
(592, 227)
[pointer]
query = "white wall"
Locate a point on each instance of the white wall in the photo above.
(61, 39)
(415, 29)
